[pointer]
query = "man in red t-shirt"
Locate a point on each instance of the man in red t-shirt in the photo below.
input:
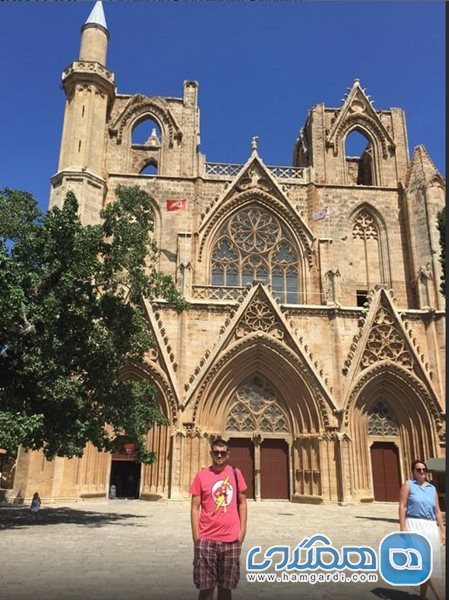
(218, 525)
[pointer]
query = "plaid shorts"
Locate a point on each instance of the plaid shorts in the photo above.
(216, 563)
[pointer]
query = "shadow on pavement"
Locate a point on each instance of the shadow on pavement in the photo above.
(385, 519)
(13, 517)
(391, 594)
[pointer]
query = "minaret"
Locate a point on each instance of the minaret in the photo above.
(95, 36)
(90, 91)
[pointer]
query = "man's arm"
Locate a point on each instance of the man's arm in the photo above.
(195, 517)
(403, 498)
(243, 513)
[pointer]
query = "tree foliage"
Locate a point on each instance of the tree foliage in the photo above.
(71, 319)
(441, 223)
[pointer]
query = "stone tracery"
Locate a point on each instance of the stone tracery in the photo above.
(258, 316)
(253, 245)
(365, 227)
(256, 410)
(385, 342)
(381, 420)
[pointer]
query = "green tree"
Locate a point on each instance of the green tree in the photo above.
(71, 319)
(441, 223)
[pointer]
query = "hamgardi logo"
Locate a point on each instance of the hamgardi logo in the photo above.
(405, 558)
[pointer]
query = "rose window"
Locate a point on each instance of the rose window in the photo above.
(254, 230)
(254, 246)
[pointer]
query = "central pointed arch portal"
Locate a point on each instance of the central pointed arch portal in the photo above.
(262, 405)
(257, 427)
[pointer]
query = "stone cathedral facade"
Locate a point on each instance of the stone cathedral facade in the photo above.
(314, 341)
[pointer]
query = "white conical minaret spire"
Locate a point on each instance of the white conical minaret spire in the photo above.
(96, 16)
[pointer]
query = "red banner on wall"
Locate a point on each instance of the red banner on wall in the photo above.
(173, 204)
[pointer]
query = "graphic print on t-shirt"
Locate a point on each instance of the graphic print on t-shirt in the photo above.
(222, 493)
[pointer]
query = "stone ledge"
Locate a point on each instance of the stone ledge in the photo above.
(305, 499)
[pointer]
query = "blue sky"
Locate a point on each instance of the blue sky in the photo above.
(260, 67)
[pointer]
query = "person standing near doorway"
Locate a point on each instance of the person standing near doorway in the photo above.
(218, 516)
(419, 512)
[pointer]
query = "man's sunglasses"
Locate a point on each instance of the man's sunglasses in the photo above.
(421, 470)
(218, 453)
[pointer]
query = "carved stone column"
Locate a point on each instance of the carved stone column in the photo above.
(257, 441)
(177, 463)
(344, 468)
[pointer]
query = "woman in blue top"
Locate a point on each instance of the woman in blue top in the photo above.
(419, 511)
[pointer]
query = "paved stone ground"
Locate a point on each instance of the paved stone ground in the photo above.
(120, 549)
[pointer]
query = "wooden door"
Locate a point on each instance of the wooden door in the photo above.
(241, 455)
(385, 467)
(274, 470)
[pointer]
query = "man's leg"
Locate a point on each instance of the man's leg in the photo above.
(224, 594)
(228, 569)
(205, 568)
(207, 594)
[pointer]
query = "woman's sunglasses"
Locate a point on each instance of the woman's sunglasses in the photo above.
(420, 470)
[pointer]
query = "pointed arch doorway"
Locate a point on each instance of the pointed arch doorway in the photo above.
(259, 440)
(383, 432)
(385, 468)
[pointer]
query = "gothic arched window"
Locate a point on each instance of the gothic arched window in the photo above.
(255, 408)
(381, 420)
(367, 266)
(147, 132)
(359, 159)
(254, 245)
